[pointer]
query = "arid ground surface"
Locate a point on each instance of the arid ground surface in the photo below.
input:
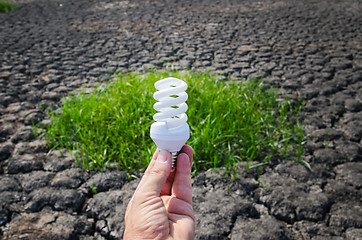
(310, 49)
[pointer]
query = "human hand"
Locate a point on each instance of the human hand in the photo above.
(161, 207)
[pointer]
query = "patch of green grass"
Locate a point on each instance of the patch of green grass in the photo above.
(6, 7)
(230, 121)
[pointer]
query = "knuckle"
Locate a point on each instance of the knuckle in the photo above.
(156, 171)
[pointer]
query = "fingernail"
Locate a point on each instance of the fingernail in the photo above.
(163, 156)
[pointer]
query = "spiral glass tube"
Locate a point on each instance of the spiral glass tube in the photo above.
(171, 106)
(170, 131)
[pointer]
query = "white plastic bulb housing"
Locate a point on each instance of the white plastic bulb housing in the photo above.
(170, 131)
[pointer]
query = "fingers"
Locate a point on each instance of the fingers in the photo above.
(166, 190)
(156, 174)
(153, 167)
(189, 151)
(178, 206)
(181, 187)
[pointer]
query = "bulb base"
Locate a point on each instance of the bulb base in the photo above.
(174, 158)
(171, 140)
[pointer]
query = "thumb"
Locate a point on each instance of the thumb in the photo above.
(155, 178)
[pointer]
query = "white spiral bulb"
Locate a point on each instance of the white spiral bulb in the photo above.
(170, 131)
(171, 106)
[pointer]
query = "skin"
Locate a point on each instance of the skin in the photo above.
(161, 207)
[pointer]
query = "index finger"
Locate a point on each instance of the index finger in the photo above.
(181, 187)
(189, 151)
